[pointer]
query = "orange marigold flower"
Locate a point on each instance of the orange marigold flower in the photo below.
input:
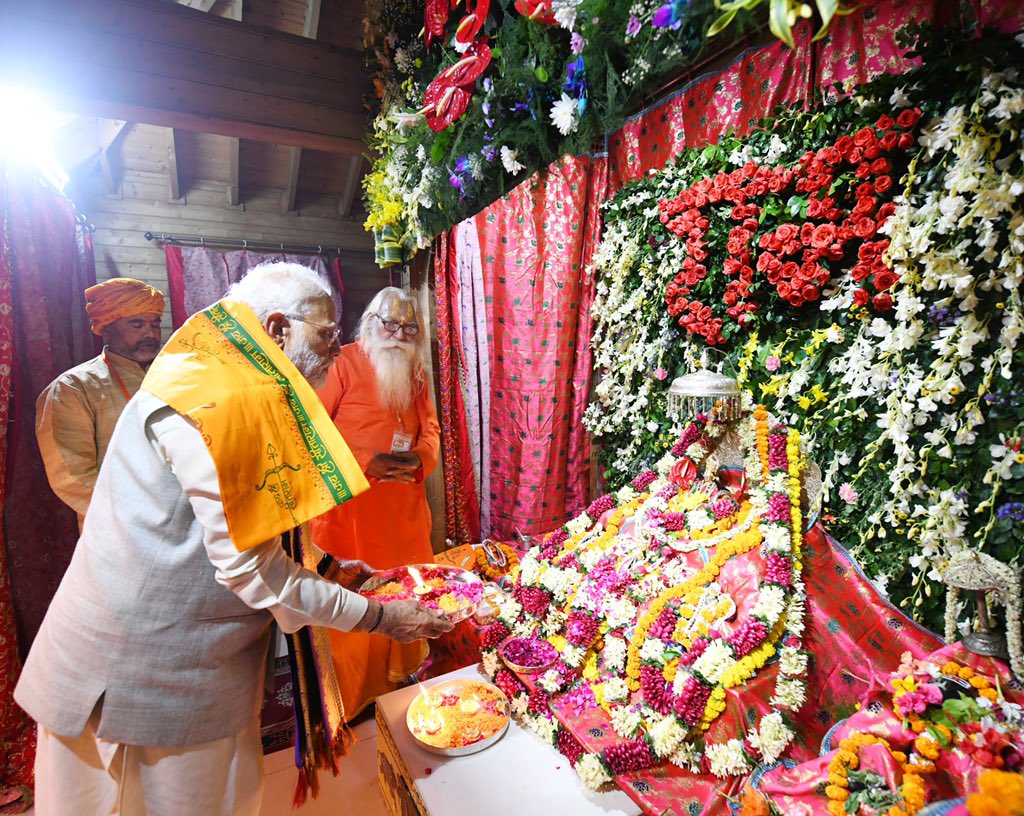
(979, 804)
(837, 793)
(1005, 787)
(754, 804)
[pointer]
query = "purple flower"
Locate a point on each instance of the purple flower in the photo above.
(669, 15)
(633, 27)
(577, 42)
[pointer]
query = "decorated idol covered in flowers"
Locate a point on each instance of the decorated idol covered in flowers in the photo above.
(694, 628)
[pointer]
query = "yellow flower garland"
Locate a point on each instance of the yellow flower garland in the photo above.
(998, 792)
(743, 543)
(911, 791)
(492, 573)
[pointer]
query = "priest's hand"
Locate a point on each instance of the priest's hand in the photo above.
(393, 467)
(406, 621)
(406, 466)
(351, 574)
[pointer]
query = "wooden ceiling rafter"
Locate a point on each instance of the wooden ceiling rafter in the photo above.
(173, 66)
(309, 31)
(173, 176)
(348, 193)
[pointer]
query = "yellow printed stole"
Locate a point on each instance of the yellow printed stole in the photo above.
(280, 459)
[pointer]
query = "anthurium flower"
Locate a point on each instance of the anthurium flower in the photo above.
(471, 24)
(537, 10)
(443, 103)
(472, 64)
(435, 18)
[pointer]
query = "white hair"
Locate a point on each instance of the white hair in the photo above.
(279, 286)
(366, 323)
(397, 364)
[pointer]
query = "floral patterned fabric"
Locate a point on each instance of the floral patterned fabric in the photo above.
(43, 331)
(535, 292)
(197, 276)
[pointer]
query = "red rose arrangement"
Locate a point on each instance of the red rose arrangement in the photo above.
(843, 194)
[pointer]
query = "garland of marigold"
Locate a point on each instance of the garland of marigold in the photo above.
(761, 415)
(911, 790)
(492, 573)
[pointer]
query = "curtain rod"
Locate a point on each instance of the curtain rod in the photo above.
(242, 243)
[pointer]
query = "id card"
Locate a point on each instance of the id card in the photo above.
(401, 442)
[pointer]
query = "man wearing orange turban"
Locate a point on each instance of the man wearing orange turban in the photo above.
(76, 413)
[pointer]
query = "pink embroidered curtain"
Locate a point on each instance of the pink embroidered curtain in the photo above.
(514, 299)
(46, 263)
(198, 276)
(515, 450)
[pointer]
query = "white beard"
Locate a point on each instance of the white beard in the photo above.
(393, 363)
(311, 365)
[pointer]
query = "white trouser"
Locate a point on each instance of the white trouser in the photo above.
(89, 776)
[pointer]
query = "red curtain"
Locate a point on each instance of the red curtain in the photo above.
(197, 276)
(46, 263)
(530, 397)
(518, 309)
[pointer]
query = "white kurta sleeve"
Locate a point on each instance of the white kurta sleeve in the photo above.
(66, 433)
(264, 577)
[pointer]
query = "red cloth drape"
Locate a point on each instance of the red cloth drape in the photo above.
(197, 276)
(534, 293)
(46, 262)
(530, 487)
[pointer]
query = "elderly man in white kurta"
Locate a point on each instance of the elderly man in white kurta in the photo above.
(77, 412)
(146, 675)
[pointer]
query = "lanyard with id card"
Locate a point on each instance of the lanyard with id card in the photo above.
(401, 442)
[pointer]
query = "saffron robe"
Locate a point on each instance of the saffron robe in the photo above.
(75, 418)
(387, 526)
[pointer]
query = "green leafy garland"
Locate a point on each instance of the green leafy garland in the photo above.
(909, 403)
(422, 182)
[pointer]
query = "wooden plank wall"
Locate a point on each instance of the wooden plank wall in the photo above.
(141, 202)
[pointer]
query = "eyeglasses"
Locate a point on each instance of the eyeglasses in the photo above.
(334, 331)
(410, 329)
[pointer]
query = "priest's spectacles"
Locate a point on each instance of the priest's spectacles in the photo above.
(410, 329)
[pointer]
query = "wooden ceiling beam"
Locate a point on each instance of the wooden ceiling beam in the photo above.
(310, 27)
(312, 24)
(165, 64)
(292, 182)
(352, 184)
(173, 177)
(233, 184)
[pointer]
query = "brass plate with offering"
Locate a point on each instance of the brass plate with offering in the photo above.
(527, 655)
(458, 717)
(452, 591)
